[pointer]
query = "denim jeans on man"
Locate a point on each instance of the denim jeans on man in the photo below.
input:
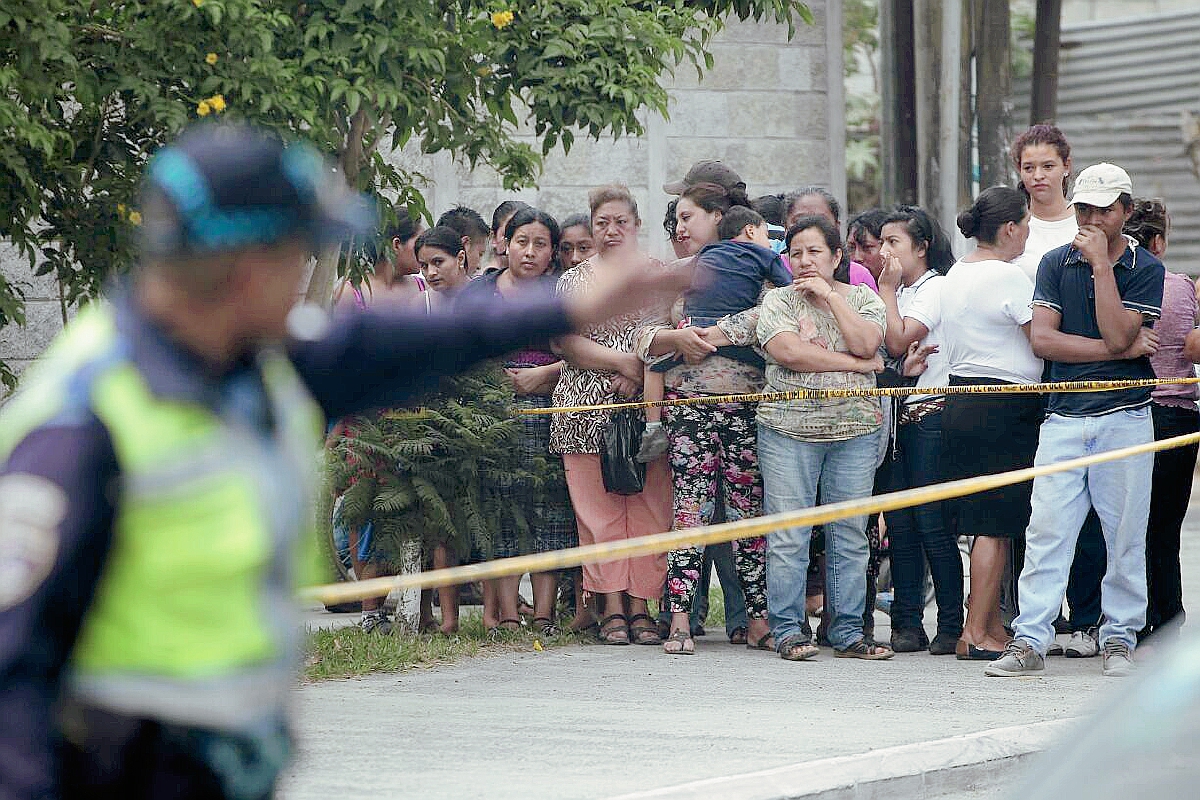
(793, 471)
(1120, 492)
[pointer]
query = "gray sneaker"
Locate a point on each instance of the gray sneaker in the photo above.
(1055, 649)
(654, 444)
(1082, 645)
(1117, 659)
(1019, 659)
(375, 622)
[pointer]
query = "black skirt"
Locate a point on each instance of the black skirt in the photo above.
(983, 434)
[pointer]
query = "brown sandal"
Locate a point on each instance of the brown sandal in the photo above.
(644, 634)
(871, 651)
(617, 634)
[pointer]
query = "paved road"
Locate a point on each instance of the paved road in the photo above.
(594, 721)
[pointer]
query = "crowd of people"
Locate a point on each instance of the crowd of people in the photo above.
(1062, 281)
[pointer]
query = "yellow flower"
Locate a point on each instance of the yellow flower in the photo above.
(484, 71)
(217, 101)
(197, 3)
(502, 19)
(210, 59)
(135, 217)
(203, 108)
(121, 210)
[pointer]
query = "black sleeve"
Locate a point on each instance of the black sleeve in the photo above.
(56, 514)
(380, 359)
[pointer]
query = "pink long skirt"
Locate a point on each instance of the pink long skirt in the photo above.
(604, 517)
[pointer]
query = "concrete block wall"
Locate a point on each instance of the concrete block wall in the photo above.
(19, 346)
(764, 108)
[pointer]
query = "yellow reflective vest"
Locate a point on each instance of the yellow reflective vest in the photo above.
(191, 621)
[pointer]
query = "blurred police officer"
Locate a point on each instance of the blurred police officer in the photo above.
(155, 471)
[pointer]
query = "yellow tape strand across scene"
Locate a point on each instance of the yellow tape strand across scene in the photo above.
(875, 391)
(712, 534)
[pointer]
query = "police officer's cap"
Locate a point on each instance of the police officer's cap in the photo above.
(222, 187)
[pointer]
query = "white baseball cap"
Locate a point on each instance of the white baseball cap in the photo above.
(1100, 185)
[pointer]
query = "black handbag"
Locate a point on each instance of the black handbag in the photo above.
(619, 467)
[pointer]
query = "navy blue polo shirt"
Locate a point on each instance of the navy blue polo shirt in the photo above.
(1065, 284)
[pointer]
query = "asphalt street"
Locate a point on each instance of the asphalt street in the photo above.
(597, 721)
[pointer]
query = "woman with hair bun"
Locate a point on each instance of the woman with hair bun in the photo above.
(985, 314)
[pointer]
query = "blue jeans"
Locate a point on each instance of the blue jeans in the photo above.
(920, 534)
(793, 472)
(1120, 493)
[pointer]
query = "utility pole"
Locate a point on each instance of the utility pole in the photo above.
(993, 82)
(898, 129)
(1047, 35)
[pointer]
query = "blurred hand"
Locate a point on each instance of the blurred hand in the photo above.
(714, 336)
(814, 288)
(624, 387)
(691, 346)
(624, 281)
(532, 381)
(916, 360)
(1093, 244)
(891, 275)
(630, 367)
(1145, 344)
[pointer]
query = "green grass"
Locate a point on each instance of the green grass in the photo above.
(348, 652)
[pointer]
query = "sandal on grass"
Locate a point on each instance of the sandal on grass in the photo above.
(503, 629)
(871, 651)
(646, 633)
(614, 629)
(798, 650)
(546, 626)
(679, 643)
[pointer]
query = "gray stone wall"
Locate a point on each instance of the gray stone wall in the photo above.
(764, 108)
(770, 108)
(19, 346)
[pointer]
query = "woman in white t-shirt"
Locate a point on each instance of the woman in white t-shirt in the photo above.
(1042, 157)
(916, 255)
(984, 327)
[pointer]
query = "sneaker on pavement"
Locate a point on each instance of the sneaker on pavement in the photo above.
(1117, 659)
(1019, 659)
(1082, 645)
(1055, 649)
(375, 622)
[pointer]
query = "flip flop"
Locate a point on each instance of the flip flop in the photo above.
(687, 645)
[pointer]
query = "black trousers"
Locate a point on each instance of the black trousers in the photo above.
(1173, 470)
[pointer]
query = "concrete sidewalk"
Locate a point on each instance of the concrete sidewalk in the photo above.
(596, 721)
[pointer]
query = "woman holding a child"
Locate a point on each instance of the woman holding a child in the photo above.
(712, 448)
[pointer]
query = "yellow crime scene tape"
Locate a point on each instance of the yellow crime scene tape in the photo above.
(713, 534)
(875, 391)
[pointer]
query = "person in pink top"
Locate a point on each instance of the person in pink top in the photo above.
(1174, 411)
(813, 201)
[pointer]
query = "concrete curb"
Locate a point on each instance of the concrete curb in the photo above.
(912, 771)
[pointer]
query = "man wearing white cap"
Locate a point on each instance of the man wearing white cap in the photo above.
(1093, 304)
